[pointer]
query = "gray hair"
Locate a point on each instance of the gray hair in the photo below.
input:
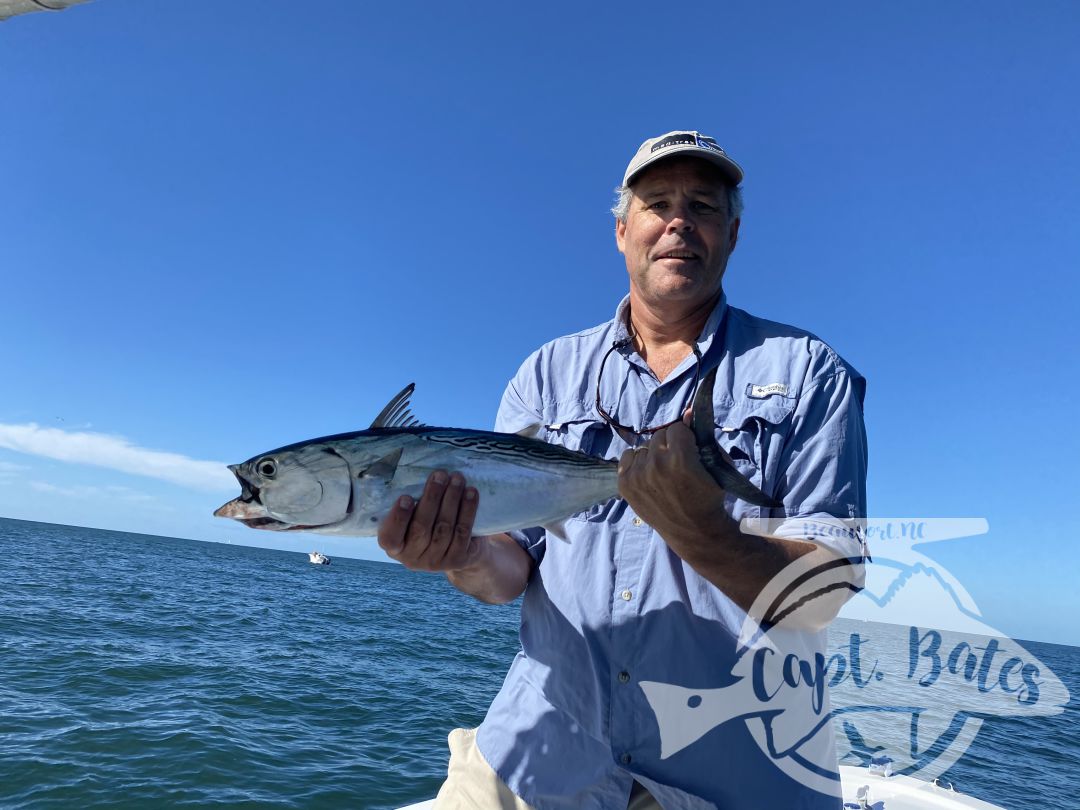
(621, 209)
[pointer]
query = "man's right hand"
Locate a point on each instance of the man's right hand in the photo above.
(434, 533)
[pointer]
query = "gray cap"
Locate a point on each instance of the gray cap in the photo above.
(682, 143)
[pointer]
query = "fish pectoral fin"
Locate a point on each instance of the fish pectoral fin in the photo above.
(557, 529)
(396, 414)
(529, 431)
(383, 470)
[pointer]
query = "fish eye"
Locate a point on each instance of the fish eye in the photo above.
(267, 468)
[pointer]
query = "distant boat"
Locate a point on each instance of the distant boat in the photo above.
(317, 558)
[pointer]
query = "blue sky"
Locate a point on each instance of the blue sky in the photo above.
(229, 226)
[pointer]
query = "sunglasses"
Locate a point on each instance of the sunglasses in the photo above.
(625, 432)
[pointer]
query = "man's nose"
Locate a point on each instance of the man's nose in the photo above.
(681, 222)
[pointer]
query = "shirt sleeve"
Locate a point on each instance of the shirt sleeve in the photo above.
(823, 464)
(516, 413)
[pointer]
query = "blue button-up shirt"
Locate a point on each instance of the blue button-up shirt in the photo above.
(615, 607)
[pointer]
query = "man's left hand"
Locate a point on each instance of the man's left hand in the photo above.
(667, 486)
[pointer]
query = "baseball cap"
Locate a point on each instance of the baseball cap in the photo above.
(682, 143)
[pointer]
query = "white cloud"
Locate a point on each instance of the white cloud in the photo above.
(116, 453)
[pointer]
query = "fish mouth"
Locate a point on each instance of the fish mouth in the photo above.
(248, 508)
(253, 515)
(271, 524)
(263, 523)
(242, 509)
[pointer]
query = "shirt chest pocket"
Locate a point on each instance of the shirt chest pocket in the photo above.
(753, 432)
(578, 428)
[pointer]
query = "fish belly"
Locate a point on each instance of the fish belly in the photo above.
(523, 498)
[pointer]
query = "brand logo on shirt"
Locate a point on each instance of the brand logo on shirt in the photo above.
(764, 391)
(909, 674)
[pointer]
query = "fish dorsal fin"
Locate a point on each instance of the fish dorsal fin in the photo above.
(529, 431)
(396, 414)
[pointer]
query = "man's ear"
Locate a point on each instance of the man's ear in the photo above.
(733, 233)
(620, 235)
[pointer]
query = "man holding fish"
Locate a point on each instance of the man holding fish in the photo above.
(654, 585)
(622, 514)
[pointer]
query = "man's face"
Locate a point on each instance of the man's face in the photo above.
(677, 238)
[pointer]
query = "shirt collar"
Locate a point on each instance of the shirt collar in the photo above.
(621, 333)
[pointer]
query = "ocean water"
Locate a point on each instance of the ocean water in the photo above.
(141, 671)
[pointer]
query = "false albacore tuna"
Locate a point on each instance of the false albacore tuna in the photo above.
(346, 484)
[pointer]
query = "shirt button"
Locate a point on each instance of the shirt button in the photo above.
(624, 677)
(638, 521)
(627, 595)
(625, 759)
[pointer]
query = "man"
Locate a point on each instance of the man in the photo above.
(652, 588)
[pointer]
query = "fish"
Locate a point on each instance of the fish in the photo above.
(346, 484)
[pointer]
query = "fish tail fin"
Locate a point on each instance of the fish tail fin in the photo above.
(716, 461)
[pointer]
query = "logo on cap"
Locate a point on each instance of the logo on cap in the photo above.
(705, 142)
(683, 138)
(687, 139)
